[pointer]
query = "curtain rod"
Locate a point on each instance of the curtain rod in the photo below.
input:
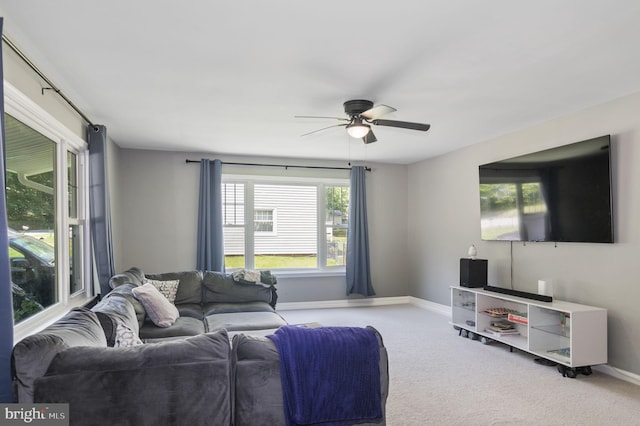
(368, 169)
(45, 78)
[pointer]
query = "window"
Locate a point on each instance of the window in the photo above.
(295, 224)
(233, 204)
(264, 221)
(46, 195)
(337, 214)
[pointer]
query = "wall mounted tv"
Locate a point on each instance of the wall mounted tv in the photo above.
(561, 194)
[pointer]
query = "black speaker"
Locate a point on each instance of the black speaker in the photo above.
(473, 272)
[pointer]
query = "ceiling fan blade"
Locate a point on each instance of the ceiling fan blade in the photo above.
(369, 137)
(316, 116)
(324, 128)
(402, 124)
(377, 111)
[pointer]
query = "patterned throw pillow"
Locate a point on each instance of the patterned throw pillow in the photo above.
(169, 288)
(125, 337)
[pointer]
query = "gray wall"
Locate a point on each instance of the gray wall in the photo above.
(18, 74)
(155, 200)
(444, 216)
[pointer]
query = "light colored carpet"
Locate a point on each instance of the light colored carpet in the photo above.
(439, 378)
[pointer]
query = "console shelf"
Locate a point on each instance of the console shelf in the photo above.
(572, 335)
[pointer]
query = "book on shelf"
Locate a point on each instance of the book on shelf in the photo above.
(518, 317)
(563, 352)
(498, 312)
(501, 325)
(501, 333)
(502, 329)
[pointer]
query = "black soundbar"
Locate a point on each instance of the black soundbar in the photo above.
(534, 296)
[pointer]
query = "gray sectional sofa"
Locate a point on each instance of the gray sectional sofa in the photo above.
(206, 301)
(212, 366)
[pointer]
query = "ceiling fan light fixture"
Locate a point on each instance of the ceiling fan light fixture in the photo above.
(357, 129)
(361, 115)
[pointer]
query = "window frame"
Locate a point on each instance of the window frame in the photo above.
(321, 184)
(29, 113)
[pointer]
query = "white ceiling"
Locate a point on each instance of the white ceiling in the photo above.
(228, 77)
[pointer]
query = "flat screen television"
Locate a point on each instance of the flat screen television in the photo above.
(560, 194)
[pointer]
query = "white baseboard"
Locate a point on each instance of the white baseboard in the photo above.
(374, 301)
(344, 303)
(618, 373)
(432, 306)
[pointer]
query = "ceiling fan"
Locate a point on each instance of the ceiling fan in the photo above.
(362, 114)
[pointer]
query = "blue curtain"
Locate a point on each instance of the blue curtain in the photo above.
(6, 298)
(100, 208)
(358, 267)
(210, 251)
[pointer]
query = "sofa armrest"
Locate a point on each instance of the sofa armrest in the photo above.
(130, 276)
(32, 355)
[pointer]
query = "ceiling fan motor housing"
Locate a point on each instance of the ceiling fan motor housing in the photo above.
(357, 107)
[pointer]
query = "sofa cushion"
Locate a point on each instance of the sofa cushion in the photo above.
(244, 321)
(183, 326)
(220, 287)
(227, 308)
(32, 355)
(193, 349)
(175, 382)
(162, 312)
(193, 310)
(168, 288)
(190, 287)
(258, 388)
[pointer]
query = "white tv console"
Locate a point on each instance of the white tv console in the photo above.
(572, 335)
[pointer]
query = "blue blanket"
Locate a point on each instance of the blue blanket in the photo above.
(330, 375)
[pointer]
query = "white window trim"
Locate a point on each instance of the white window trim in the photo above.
(28, 112)
(321, 183)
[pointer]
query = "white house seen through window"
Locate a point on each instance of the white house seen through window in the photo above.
(292, 225)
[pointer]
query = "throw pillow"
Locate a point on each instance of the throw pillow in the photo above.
(125, 337)
(169, 288)
(162, 312)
